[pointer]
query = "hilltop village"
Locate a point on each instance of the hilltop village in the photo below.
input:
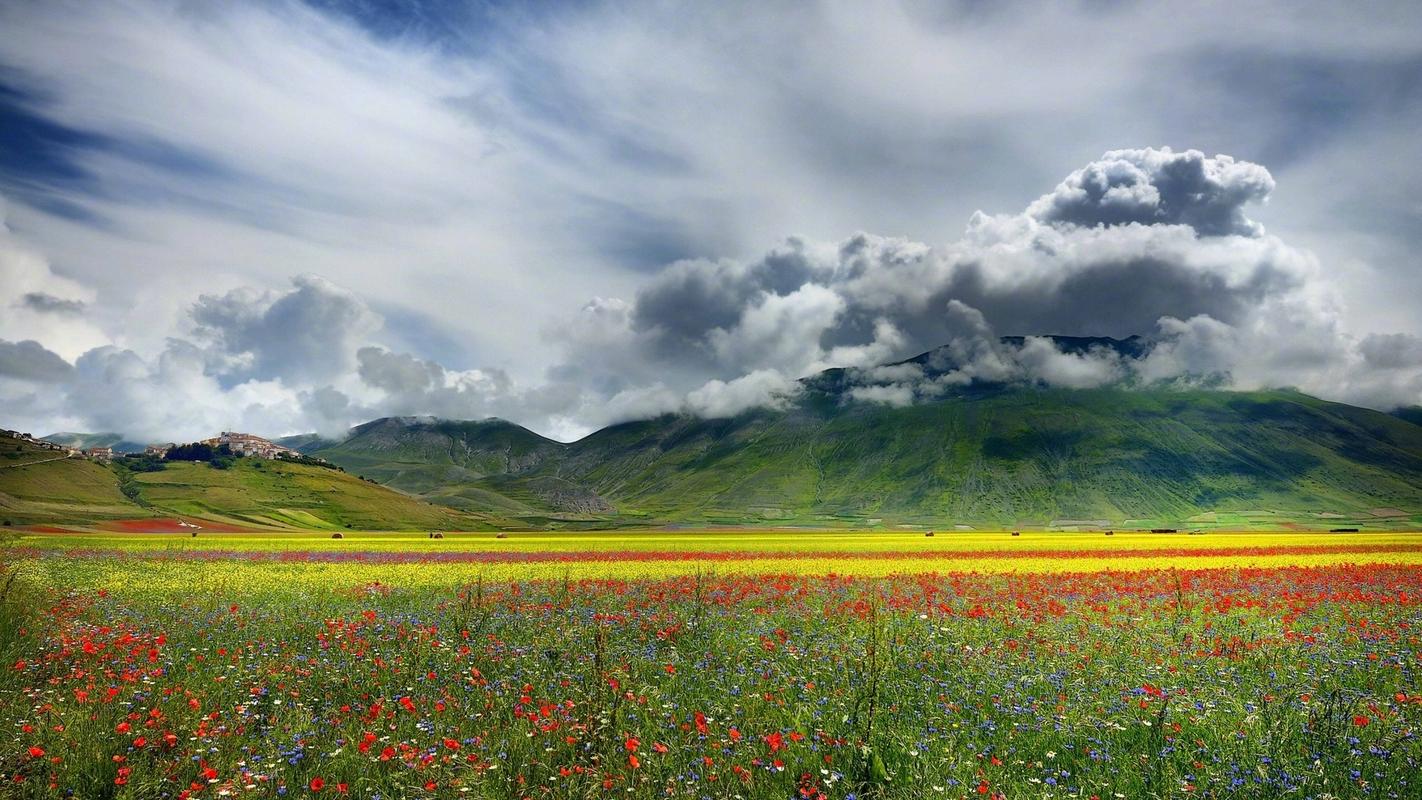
(237, 444)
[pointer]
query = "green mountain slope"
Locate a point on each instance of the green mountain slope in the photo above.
(463, 464)
(1001, 455)
(1412, 414)
(38, 486)
(1016, 456)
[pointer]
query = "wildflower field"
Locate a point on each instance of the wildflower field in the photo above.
(711, 665)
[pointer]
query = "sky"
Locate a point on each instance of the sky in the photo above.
(284, 217)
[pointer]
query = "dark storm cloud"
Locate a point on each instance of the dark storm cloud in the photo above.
(48, 303)
(691, 298)
(31, 361)
(1129, 239)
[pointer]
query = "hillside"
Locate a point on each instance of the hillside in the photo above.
(463, 464)
(279, 494)
(37, 486)
(985, 454)
(1412, 414)
(1021, 456)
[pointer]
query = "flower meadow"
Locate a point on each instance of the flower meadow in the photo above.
(301, 674)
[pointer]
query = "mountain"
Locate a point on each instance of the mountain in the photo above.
(1017, 456)
(463, 464)
(983, 453)
(84, 441)
(305, 442)
(1412, 414)
(977, 453)
(42, 486)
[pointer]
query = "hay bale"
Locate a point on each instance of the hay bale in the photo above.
(338, 535)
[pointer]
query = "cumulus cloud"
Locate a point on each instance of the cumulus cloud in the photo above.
(414, 385)
(1160, 187)
(1152, 244)
(1137, 237)
(1149, 241)
(898, 395)
(171, 397)
(1042, 359)
(761, 388)
(30, 361)
(1183, 246)
(310, 333)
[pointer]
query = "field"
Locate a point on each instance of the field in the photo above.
(716, 664)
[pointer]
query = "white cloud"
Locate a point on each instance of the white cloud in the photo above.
(26, 275)
(308, 334)
(761, 388)
(893, 394)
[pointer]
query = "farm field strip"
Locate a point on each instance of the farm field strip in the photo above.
(307, 563)
(769, 541)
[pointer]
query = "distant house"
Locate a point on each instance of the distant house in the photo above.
(158, 450)
(100, 453)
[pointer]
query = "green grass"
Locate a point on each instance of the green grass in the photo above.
(274, 493)
(37, 488)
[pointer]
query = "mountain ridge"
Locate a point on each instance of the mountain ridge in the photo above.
(975, 452)
(1024, 455)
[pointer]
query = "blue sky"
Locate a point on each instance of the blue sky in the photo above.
(483, 204)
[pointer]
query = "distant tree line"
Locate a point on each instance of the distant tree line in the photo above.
(220, 457)
(302, 458)
(142, 462)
